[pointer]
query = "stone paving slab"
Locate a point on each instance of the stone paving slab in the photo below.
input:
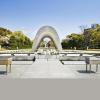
(49, 69)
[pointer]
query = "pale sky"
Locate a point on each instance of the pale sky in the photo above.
(64, 15)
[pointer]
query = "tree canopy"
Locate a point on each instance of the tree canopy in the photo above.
(14, 40)
(88, 38)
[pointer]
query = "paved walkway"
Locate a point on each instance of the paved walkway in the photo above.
(49, 69)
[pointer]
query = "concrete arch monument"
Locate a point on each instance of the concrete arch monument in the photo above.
(46, 32)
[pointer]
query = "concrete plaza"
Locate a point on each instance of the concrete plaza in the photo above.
(51, 68)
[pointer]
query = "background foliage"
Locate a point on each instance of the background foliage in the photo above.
(89, 38)
(14, 40)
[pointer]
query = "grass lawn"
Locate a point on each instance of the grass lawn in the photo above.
(93, 50)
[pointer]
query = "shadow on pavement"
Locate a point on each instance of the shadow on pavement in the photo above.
(3, 72)
(85, 72)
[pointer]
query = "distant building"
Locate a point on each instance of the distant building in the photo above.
(94, 25)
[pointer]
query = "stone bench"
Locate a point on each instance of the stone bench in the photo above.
(71, 58)
(88, 60)
(20, 57)
(6, 61)
(93, 61)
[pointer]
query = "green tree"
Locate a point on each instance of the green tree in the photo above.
(51, 44)
(72, 41)
(5, 32)
(90, 37)
(22, 40)
(13, 44)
